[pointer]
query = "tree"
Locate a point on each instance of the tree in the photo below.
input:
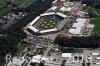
(79, 42)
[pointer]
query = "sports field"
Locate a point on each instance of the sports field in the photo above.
(95, 21)
(48, 24)
(21, 46)
(93, 10)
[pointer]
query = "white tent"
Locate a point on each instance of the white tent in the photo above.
(98, 58)
(44, 59)
(80, 13)
(62, 9)
(53, 8)
(95, 53)
(68, 9)
(90, 26)
(75, 31)
(39, 58)
(36, 59)
(79, 24)
(66, 55)
(81, 20)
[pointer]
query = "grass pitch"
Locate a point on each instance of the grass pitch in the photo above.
(95, 21)
(21, 46)
(48, 24)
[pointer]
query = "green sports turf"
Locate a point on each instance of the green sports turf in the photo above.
(48, 24)
(21, 46)
(96, 21)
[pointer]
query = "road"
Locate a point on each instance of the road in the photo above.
(49, 48)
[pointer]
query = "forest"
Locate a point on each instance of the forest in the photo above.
(79, 42)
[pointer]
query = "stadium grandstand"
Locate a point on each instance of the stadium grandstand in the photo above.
(47, 23)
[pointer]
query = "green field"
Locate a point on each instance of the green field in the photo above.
(1, 1)
(23, 2)
(48, 24)
(89, 10)
(93, 10)
(4, 11)
(21, 46)
(95, 21)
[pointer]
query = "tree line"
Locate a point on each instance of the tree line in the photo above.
(79, 42)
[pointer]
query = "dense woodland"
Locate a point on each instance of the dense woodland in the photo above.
(79, 42)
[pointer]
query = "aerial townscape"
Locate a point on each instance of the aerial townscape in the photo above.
(49, 33)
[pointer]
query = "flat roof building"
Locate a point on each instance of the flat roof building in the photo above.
(75, 31)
